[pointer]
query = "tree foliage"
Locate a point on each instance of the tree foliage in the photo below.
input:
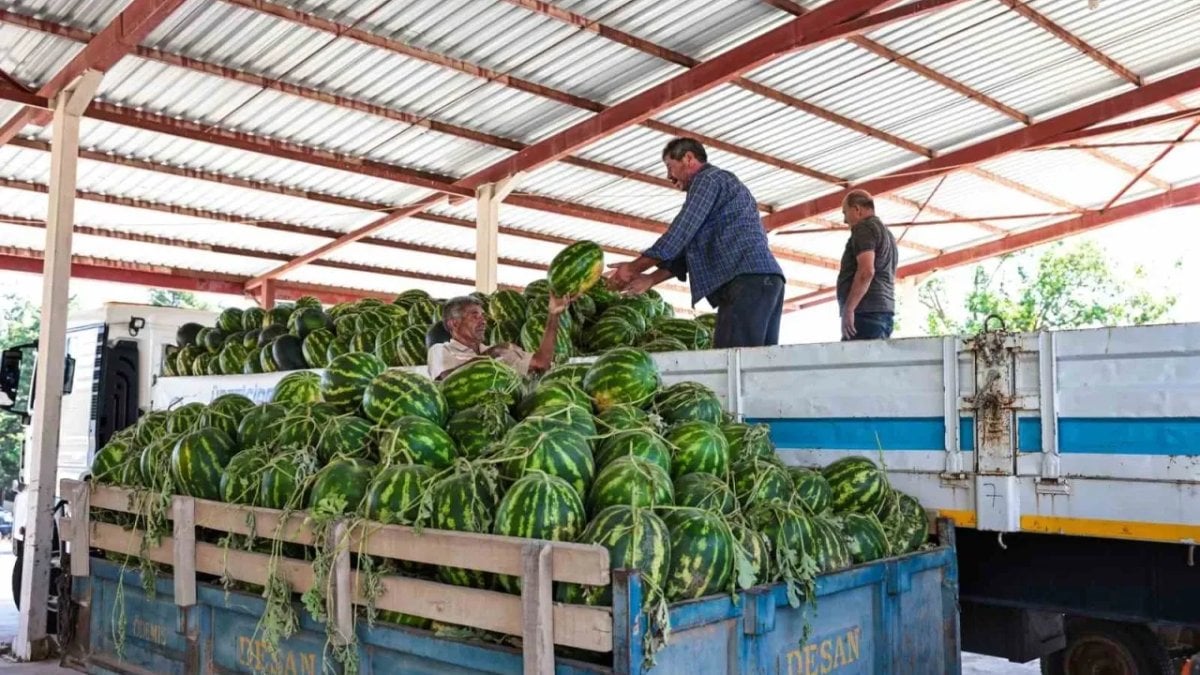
(20, 321)
(161, 297)
(1061, 288)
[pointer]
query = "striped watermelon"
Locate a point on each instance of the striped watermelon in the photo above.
(623, 418)
(261, 425)
(346, 379)
(416, 440)
(690, 333)
(394, 495)
(479, 426)
(387, 345)
(212, 365)
(642, 443)
(338, 346)
(151, 426)
(407, 298)
(399, 393)
(572, 373)
(829, 543)
(610, 333)
(341, 486)
(812, 490)
(857, 485)
(865, 537)
(304, 425)
(286, 480)
(542, 445)
(298, 388)
(363, 341)
(575, 417)
(266, 360)
(552, 396)
(479, 381)
(242, 478)
(315, 348)
(200, 365)
(155, 465)
(747, 441)
(185, 418)
(198, 460)
(423, 313)
(603, 296)
(753, 547)
(112, 464)
(346, 436)
(636, 538)
(662, 343)
(698, 447)
(906, 525)
(370, 321)
(307, 301)
(622, 375)
(505, 332)
(627, 313)
(630, 481)
(538, 290)
(346, 325)
(308, 319)
(576, 268)
(250, 340)
(252, 318)
(790, 533)
(534, 329)
(252, 365)
(507, 306)
(226, 413)
(687, 401)
(277, 316)
(756, 480)
(539, 506)
(701, 554)
(705, 491)
(410, 346)
(232, 358)
(464, 501)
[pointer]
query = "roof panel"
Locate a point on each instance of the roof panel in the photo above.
(1158, 36)
(31, 57)
(1092, 183)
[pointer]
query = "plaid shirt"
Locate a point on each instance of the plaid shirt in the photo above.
(716, 236)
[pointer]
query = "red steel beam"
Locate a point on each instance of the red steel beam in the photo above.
(1020, 139)
(1128, 125)
(1075, 41)
(1153, 163)
(823, 23)
(102, 52)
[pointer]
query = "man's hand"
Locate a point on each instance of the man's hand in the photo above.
(848, 330)
(559, 305)
(640, 285)
(621, 275)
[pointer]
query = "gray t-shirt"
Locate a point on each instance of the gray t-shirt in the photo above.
(870, 234)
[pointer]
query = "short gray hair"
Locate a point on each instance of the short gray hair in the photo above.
(677, 148)
(454, 307)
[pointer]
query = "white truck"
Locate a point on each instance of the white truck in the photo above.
(1070, 462)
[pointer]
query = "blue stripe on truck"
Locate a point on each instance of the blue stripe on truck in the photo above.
(1080, 435)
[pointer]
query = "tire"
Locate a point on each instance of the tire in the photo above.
(18, 573)
(1106, 648)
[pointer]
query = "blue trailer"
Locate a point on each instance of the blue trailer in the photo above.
(896, 615)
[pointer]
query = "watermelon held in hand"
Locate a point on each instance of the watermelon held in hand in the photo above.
(539, 506)
(341, 486)
(698, 447)
(345, 380)
(701, 554)
(416, 440)
(857, 485)
(298, 389)
(398, 393)
(199, 459)
(624, 375)
(394, 495)
(576, 268)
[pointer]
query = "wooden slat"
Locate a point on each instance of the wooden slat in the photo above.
(233, 518)
(537, 633)
(80, 525)
(109, 537)
(342, 598)
(183, 512)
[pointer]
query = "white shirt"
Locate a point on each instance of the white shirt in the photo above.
(449, 355)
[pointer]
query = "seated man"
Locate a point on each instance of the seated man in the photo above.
(466, 322)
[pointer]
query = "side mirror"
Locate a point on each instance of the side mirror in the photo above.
(18, 366)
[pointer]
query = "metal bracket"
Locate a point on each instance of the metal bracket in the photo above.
(734, 370)
(1048, 390)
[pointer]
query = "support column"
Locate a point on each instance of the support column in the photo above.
(266, 298)
(42, 463)
(487, 226)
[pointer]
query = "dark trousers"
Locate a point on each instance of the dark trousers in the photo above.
(748, 311)
(873, 325)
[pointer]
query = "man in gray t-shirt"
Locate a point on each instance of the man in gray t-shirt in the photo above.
(866, 283)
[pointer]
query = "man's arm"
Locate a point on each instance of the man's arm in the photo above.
(701, 197)
(545, 354)
(858, 289)
(645, 282)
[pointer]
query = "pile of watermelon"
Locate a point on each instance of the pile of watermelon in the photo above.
(599, 453)
(305, 335)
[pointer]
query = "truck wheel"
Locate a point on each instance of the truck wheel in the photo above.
(1108, 648)
(19, 571)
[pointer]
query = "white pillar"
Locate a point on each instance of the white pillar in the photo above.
(910, 313)
(487, 228)
(42, 464)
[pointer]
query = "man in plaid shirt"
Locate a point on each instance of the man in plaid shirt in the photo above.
(718, 240)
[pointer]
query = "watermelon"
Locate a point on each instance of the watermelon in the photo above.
(252, 318)
(212, 340)
(538, 291)
(479, 381)
(266, 360)
(698, 446)
(399, 393)
(363, 341)
(571, 373)
(705, 491)
(552, 395)
(907, 526)
(660, 344)
(812, 491)
(410, 346)
(623, 418)
(187, 334)
(306, 320)
(416, 440)
(641, 443)
(315, 348)
(576, 268)
(200, 365)
(477, 427)
(753, 547)
(627, 313)
(198, 460)
(583, 309)
(407, 298)
(622, 375)
(423, 313)
(857, 485)
(346, 436)
(709, 321)
(339, 345)
(756, 481)
(539, 506)
(630, 481)
(747, 441)
(686, 402)
(226, 413)
(252, 365)
(394, 495)
(262, 425)
(250, 340)
(865, 537)
(701, 554)
(538, 444)
(155, 465)
(297, 389)
(370, 322)
(151, 426)
(505, 332)
(692, 334)
(277, 316)
(341, 486)
(636, 538)
(346, 379)
(789, 532)
(387, 346)
(185, 418)
(232, 357)
(575, 417)
(304, 425)
(230, 320)
(268, 334)
(612, 332)
(829, 545)
(112, 464)
(346, 326)
(242, 478)
(212, 365)
(464, 501)
(603, 296)
(507, 306)
(285, 480)
(533, 330)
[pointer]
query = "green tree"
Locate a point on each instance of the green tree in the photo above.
(161, 297)
(19, 324)
(1062, 288)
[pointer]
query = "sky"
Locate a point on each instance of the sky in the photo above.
(1154, 242)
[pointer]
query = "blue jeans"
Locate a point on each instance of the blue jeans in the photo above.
(873, 325)
(748, 311)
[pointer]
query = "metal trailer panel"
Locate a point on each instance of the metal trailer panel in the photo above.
(894, 615)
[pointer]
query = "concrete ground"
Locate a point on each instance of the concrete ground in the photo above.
(973, 664)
